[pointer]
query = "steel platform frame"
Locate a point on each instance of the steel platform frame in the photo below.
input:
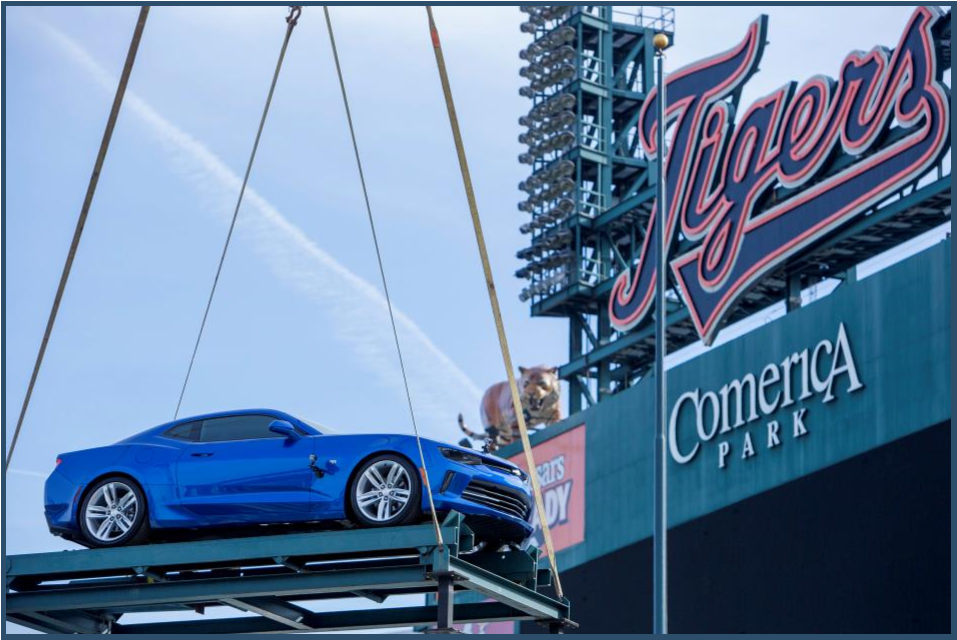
(88, 591)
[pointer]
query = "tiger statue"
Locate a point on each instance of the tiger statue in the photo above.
(541, 403)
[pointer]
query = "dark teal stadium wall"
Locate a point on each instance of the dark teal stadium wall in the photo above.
(862, 546)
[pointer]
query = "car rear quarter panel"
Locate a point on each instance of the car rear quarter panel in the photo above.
(151, 465)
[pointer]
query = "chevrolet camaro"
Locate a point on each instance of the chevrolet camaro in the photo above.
(226, 472)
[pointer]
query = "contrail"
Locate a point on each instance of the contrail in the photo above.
(354, 307)
(29, 474)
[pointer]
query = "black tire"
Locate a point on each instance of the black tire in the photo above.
(139, 528)
(409, 513)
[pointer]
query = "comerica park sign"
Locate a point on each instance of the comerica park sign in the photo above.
(749, 193)
(769, 405)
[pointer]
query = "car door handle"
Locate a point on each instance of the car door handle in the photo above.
(203, 454)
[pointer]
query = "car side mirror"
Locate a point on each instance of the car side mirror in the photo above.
(285, 428)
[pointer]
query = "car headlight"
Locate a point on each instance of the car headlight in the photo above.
(461, 456)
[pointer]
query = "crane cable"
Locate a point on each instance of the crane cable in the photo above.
(291, 21)
(81, 221)
(385, 287)
(493, 298)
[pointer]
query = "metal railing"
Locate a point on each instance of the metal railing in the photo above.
(656, 18)
(591, 203)
(592, 68)
(650, 17)
(592, 136)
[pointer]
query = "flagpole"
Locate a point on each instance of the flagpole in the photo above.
(661, 412)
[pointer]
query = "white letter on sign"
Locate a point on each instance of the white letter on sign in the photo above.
(723, 450)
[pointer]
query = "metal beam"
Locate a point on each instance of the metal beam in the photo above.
(275, 609)
(445, 602)
(62, 622)
(212, 553)
(507, 592)
(186, 591)
(633, 337)
(370, 595)
(335, 620)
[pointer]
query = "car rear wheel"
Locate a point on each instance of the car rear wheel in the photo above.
(113, 514)
(386, 491)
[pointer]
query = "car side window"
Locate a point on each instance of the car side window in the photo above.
(237, 428)
(188, 431)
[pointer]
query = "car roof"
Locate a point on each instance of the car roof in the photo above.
(282, 415)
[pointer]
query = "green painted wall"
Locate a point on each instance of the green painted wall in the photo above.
(898, 326)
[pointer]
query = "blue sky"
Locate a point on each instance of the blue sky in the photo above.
(297, 323)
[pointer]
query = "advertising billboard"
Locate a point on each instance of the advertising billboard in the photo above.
(561, 472)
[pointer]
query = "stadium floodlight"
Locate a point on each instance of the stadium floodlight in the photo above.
(555, 12)
(564, 53)
(559, 188)
(558, 102)
(565, 205)
(561, 120)
(557, 74)
(531, 52)
(556, 240)
(524, 253)
(557, 143)
(551, 173)
(551, 40)
(530, 184)
(558, 37)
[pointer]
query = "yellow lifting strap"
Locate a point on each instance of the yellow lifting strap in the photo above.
(493, 299)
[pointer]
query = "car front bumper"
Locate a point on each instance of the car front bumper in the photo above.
(495, 505)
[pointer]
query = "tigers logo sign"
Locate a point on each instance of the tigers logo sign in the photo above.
(887, 111)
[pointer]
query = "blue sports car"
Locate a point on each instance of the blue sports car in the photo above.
(226, 471)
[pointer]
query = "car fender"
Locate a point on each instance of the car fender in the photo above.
(434, 462)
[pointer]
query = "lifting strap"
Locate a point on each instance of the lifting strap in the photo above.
(493, 299)
(81, 222)
(385, 286)
(291, 20)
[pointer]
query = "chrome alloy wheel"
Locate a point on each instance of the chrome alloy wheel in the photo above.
(111, 511)
(383, 490)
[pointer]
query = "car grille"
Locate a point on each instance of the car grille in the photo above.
(501, 467)
(497, 497)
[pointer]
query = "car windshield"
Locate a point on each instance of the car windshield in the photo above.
(321, 428)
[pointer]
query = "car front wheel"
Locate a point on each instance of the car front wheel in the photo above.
(113, 514)
(386, 491)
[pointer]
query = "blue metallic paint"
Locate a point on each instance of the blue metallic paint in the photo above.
(259, 481)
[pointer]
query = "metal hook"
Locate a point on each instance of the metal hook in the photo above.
(294, 12)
